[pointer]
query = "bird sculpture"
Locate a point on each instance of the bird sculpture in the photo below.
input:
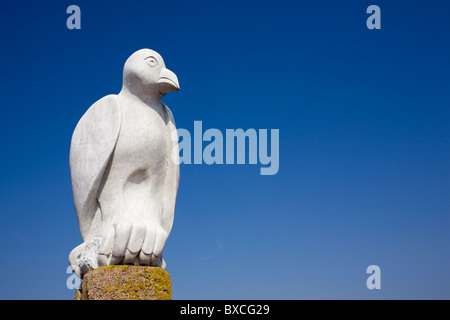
(125, 173)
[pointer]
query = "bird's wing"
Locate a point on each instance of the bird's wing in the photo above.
(173, 173)
(93, 142)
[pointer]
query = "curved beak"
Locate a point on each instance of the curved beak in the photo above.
(167, 81)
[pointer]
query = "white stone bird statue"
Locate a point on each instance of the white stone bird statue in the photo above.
(125, 170)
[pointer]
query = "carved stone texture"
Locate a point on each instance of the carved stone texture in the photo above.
(124, 166)
(125, 282)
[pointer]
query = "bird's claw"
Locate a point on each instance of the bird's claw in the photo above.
(133, 243)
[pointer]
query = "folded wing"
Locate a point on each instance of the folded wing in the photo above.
(172, 174)
(93, 143)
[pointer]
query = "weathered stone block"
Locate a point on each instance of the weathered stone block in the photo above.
(125, 282)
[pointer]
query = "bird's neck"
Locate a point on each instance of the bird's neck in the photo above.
(142, 96)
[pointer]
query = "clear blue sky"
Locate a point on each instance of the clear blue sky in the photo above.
(364, 142)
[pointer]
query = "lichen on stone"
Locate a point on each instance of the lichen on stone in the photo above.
(126, 282)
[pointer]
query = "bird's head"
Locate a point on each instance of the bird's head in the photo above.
(145, 74)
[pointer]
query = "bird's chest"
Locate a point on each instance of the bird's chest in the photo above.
(143, 137)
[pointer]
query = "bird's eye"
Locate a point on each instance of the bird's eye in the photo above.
(151, 61)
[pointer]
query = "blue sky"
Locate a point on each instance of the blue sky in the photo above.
(364, 143)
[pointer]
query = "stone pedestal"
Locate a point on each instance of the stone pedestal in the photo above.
(125, 282)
